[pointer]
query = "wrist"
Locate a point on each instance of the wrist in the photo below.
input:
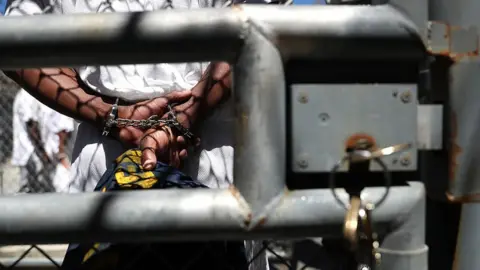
(188, 113)
(103, 110)
(109, 118)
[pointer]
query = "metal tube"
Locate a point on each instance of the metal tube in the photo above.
(120, 38)
(260, 143)
(340, 32)
(404, 247)
(185, 215)
(466, 257)
(322, 32)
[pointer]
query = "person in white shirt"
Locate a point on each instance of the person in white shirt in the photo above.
(202, 91)
(40, 136)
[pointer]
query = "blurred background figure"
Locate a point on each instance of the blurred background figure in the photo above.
(40, 142)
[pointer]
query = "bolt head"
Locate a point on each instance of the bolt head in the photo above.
(405, 161)
(302, 163)
(303, 98)
(406, 97)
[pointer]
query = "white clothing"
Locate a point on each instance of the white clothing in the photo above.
(213, 164)
(26, 108)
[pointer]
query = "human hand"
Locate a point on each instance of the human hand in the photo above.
(65, 163)
(156, 143)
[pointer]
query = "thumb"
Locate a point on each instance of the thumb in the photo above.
(148, 145)
(154, 143)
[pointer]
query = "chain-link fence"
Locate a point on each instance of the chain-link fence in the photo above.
(19, 177)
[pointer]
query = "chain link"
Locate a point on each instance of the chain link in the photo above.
(153, 121)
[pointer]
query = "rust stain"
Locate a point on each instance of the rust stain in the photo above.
(449, 51)
(351, 142)
(263, 218)
(236, 194)
(261, 222)
(455, 149)
(469, 198)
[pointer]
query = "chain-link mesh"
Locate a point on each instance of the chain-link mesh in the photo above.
(280, 254)
(33, 177)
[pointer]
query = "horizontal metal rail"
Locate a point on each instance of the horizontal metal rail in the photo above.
(179, 215)
(346, 32)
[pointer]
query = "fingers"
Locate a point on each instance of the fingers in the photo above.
(162, 145)
(158, 106)
(153, 144)
(178, 96)
(182, 144)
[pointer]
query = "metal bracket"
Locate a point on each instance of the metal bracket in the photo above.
(453, 41)
(324, 118)
(430, 127)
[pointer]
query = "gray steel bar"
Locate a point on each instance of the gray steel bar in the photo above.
(346, 32)
(340, 32)
(260, 100)
(404, 247)
(183, 215)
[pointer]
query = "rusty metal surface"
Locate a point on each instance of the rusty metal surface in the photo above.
(457, 42)
(453, 32)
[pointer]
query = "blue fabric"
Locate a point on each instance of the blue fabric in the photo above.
(126, 173)
(3, 6)
(309, 2)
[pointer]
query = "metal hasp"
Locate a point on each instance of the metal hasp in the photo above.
(257, 40)
(321, 127)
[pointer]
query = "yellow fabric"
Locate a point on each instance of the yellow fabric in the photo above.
(130, 171)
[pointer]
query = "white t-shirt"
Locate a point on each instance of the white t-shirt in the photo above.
(26, 108)
(212, 164)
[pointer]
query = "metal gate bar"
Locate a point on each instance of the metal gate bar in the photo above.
(346, 32)
(179, 215)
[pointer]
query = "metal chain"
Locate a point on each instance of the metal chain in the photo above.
(153, 121)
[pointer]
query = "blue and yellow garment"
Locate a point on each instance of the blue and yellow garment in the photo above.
(127, 174)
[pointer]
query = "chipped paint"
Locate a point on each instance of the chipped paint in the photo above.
(448, 36)
(351, 142)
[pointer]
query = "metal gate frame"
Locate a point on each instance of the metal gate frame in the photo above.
(257, 41)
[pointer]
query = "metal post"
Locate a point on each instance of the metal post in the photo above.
(404, 247)
(260, 100)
